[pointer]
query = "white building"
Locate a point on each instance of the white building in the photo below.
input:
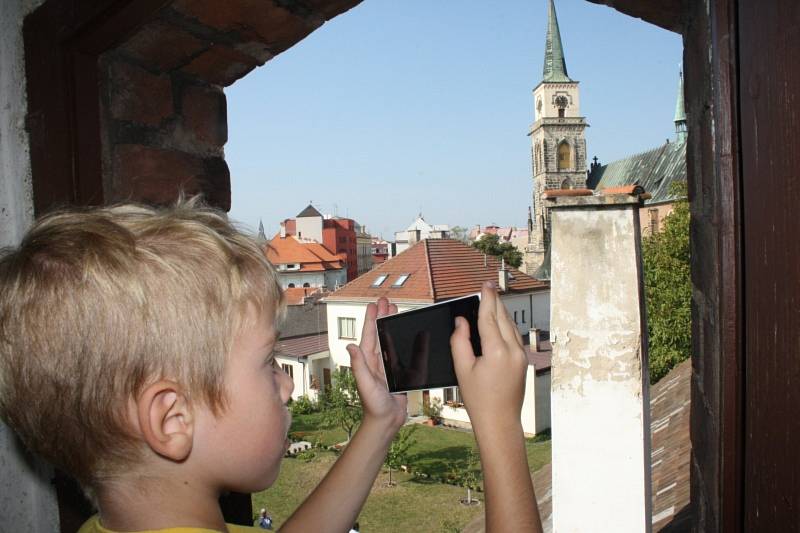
(305, 263)
(435, 270)
(418, 231)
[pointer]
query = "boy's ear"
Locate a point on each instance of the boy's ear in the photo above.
(166, 419)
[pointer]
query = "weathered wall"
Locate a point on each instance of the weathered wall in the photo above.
(27, 501)
(600, 409)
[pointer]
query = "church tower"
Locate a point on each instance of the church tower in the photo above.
(558, 145)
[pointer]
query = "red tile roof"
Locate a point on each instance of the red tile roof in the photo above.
(438, 269)
(312, 256)
(303, 346)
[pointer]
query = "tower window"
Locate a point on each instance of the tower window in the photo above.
(564, 156)
(560, 112)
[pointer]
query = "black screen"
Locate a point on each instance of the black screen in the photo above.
(416, 344)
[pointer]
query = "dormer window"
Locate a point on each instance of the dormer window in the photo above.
(380, 279)
(400, 280)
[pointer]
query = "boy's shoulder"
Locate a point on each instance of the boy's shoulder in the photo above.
(93, 526)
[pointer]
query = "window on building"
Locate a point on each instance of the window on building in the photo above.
(653, 220)
(523, 316)
(380, 279)
(347, 328)
(306, 284)
(515, 317)
(564, 156)
(291, 285)
(400, 280)
(452, 395)
(289, 369)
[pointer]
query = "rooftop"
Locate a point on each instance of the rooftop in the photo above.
(437, 269)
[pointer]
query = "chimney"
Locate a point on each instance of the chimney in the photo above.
(535, 341)
(283, 230)
(502, 281)
(599, 377)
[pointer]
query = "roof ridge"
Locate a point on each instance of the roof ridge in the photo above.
(428, 268)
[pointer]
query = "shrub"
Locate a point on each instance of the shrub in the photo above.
(303, 406)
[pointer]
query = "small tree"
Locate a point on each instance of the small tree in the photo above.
(433, 410)
(668, 290)
(398, 450)
(342, 405)
(471, 476)
(491, 245)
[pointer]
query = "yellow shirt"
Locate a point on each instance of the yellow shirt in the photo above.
(93, 526)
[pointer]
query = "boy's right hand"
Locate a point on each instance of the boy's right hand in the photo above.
(492, 385)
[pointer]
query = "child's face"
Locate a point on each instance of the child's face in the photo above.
(242, 446)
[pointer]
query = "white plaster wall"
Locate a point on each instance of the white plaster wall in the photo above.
(600, 406)
(548, 91)
(27, 501)
(538, 302)
(309, 228)
(335, 278)
(314, 279)
(298, 375)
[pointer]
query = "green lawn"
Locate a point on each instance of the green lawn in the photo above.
(414, 504)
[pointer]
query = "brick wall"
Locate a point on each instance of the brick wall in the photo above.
(163, 109)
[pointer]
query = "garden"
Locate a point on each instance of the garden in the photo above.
(434, 483)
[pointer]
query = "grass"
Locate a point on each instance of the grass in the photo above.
(413, 504)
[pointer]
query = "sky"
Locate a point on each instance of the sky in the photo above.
(401, 107)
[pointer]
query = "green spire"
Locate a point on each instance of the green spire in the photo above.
(680, 112)
(555, 68)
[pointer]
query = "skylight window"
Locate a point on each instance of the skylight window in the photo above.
(399, 281)
(380, 279)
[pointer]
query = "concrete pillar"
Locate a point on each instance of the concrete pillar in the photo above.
(27, 499)
(600, 404)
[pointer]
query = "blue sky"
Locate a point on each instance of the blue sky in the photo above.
(397, 107)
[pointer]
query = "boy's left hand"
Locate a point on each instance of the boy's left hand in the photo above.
(379, 405)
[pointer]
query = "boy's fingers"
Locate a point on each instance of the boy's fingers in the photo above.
(487, 319)
(358, 361)
(507, 328)
(460, 345)
(369, 331)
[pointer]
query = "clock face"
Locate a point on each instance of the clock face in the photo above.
(561, 101)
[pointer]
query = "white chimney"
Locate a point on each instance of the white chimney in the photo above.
(283, 230)
(535, 340)
(599, 375)
(502, 277)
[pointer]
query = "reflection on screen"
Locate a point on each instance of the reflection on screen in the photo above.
(416, 344)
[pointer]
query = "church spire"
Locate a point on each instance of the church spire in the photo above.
(555, 67)
(261, 236)
(680, 112)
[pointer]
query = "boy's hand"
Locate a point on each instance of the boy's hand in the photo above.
(493, 385)
(365, 358)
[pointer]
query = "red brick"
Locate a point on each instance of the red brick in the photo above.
(220, 65)
(158, 176)
(163, 46)
(276, 27)
(139, 96)
(204, 114)
(153, 175)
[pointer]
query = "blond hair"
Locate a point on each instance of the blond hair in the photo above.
(97, 303)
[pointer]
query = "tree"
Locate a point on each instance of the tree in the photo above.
(491, 245)
(342, 402)
(668, 290)
(398, 450)
(459, 233)
(469, 476)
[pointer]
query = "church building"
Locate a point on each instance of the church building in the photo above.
(559, 161)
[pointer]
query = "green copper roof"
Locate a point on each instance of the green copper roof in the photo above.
(680, 111)
(555, 68)
(655, 170)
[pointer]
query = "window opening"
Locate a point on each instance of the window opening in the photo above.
(347, 328)
(399, 281)
(380, 279)
(289, 369)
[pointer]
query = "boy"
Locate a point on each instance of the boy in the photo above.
(136, 354)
